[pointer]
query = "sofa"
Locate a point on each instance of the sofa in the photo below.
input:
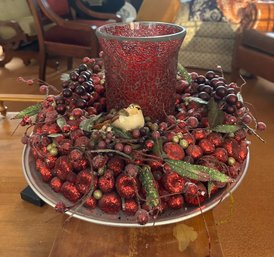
(254, 47)
(210, 37)
(254, 53)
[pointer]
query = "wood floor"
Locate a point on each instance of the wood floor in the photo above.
(247, 232)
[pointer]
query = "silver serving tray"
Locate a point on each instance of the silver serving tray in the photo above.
(44, 191)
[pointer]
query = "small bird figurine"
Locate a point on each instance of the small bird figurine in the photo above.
(130, 118)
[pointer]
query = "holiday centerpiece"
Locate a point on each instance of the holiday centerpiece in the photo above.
(133, 138)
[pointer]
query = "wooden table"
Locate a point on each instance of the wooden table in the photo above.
(29, 231)
(183, 239)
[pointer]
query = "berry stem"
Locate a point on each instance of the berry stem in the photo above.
(110, 151)
(254, 132)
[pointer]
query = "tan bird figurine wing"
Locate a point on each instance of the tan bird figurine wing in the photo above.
(130, 118)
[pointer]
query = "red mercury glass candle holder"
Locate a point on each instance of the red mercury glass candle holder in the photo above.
(140, 61)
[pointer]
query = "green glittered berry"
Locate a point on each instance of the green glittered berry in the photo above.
(97, 194)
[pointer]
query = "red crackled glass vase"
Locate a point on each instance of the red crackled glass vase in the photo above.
(141, 64)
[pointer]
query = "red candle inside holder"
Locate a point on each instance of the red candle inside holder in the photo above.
(140, 61)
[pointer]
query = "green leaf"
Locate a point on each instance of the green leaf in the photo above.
(120, 133)
(61, 122)
(55, 135)
(240, 97)
(64, 77)
(226, 128)
(184, 171)
(197, 172)
(184, 73)
(215, 114)
(87, 125)
(147, 180)
(29, 111)
(215, 175)
(195, 99)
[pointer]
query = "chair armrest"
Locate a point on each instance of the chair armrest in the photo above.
(14, 41)
(18, 98)
(93, 14)
(69, 24)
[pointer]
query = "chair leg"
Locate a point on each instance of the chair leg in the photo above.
(69, 63)
(42, 68)
(3, 109)
(235, 73)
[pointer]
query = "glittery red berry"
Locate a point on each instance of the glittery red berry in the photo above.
(125, 186)
(110, 203)
(176, 202)
(76, 134)
(234, 170)
(70, 191)
(130, 207)
(215, 138)
(85, 181)
(195, 198)
(71, 177)
(131, 170)
(220, 154)
(50, 161)
(38, 164)
(75, 155)
(199, 134)
(106, 182)
(174, 151)
(61, 207)
(116, 164)
(64, 146)
(45, 173)
(192, 122)
(80, 164)
(240, 135)
(261, 126)
(149, 144)
(54, 129)
(231, 145)
(189, 138)
(173, 183)
(194, 151)
(81, 141)
(63, 167)
(99, 161)
(241, 153)
(56, 184)
(207, 146)
(155, 164)
(90, 202)
(142, 217)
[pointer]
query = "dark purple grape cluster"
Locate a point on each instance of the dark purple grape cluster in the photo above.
(226, 95)
(84, 89)
(213, 85)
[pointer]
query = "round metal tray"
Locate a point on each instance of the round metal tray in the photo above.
(44, 191)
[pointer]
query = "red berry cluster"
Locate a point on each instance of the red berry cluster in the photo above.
(84, 158)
